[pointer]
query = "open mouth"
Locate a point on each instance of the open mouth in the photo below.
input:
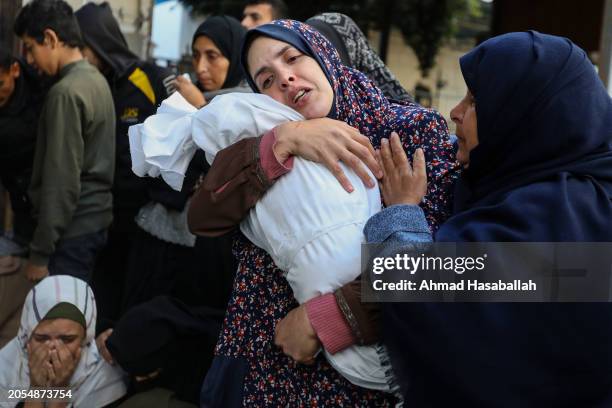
(298, 96)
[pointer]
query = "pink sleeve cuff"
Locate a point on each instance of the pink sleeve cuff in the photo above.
(329, 323)
(270, 165)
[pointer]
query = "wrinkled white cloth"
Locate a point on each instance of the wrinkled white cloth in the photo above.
(95, 383)
(162, 145)
(166, 142)
(307, 222)
(313, 229)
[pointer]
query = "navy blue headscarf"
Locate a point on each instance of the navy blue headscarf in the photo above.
(227, 34)
(542, 172)
(545, 145)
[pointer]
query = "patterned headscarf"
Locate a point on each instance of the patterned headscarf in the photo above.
(353, 46)
(362, 105)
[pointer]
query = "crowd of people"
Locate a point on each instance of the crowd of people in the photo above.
(231, 277)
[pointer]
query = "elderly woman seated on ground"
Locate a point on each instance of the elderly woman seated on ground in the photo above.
(55, 347)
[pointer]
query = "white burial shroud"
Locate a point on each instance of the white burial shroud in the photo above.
(166, 142)
(311, 227)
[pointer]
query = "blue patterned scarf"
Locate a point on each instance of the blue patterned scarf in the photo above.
(362, 105)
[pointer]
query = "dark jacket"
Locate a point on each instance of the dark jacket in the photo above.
(138, 88)
(19, 121)
(136, 96)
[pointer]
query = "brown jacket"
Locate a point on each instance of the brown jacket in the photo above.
(231, 188)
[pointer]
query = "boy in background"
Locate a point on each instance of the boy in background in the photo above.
(74, 159)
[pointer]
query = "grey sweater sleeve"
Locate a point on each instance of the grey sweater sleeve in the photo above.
(397, 225)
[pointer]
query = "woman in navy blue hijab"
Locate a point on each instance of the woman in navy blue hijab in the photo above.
(535, 133)
(544, 125)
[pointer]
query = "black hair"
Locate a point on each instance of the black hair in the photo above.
(6, 58)
(279, 7)
(39, 15)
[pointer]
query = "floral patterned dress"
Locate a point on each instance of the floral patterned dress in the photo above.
(262, 297)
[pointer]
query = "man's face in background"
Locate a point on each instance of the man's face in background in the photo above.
(8, 77)
(256, 15)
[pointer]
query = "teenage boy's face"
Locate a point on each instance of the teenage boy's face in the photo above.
(7, 82)
(42, 56)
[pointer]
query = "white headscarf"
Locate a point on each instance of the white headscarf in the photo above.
(95, 383)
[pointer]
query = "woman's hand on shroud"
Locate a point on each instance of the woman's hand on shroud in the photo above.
(328, 141)
(296, 337)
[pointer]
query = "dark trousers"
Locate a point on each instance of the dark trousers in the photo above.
(76, 256)
(110, 269)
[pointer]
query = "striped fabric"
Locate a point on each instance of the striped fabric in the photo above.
(94, 382)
